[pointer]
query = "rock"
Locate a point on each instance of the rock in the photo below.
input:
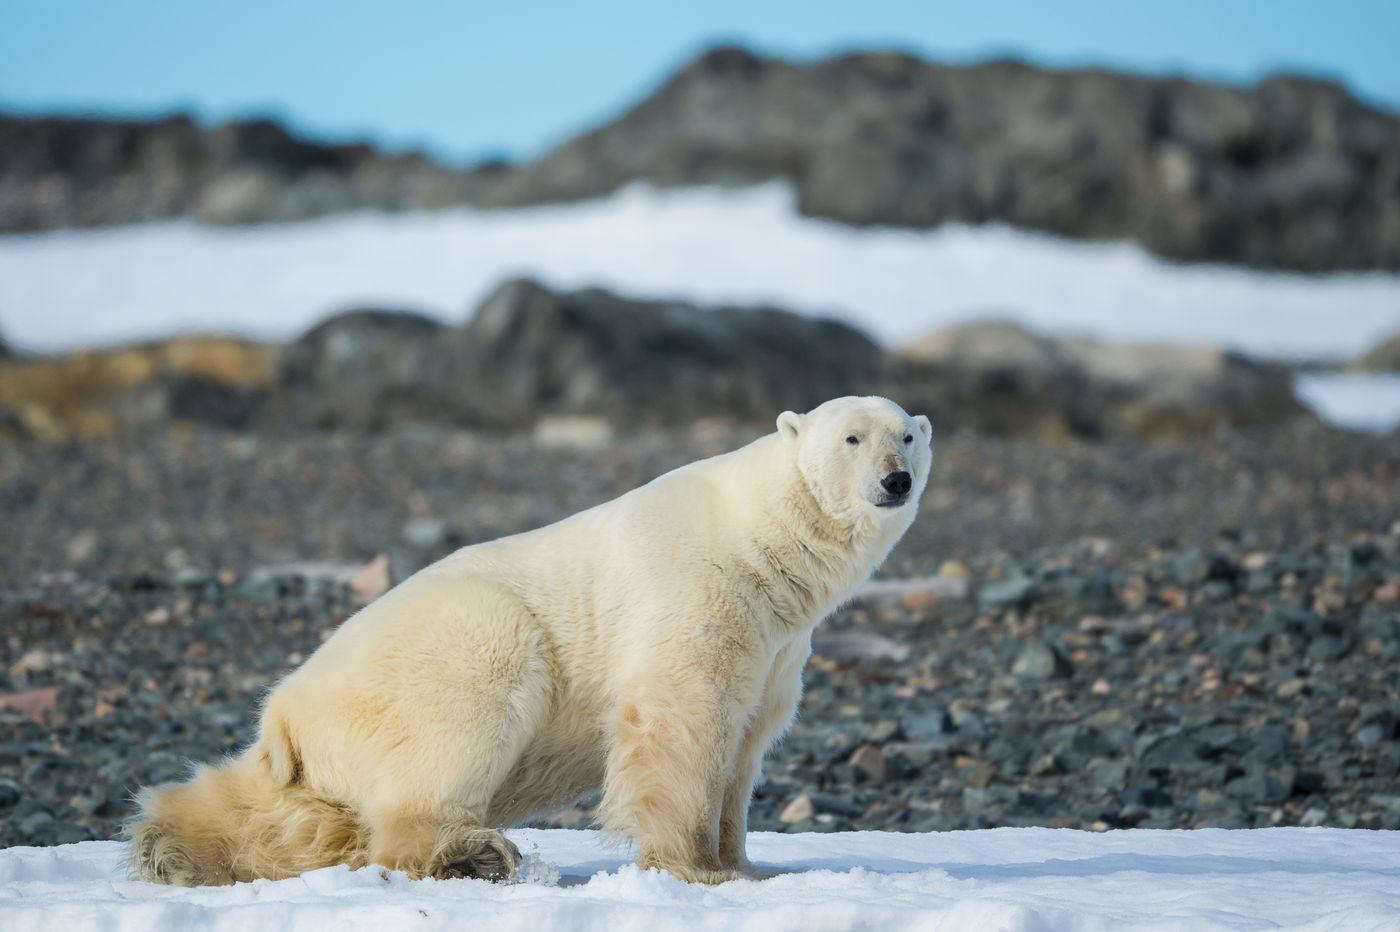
(1009, 591)
(883, 731)
(1370, 735)
(1313, 817)
(928, 727)
(857, 645)
(425, 533)
(870, 761)
(371, 367)
(1040, 661)
(799, 809)
(573, 433)
(66, 171)
(1275, 174)
(529, 352)
(1146, 796)
(1258, 789)
(925, 589)
(33, 703)
(1383, 357)
(372, 580)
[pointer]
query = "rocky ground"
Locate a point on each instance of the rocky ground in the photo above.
(1101, 635)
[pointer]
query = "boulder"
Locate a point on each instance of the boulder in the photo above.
(369, 368)
(529, 352)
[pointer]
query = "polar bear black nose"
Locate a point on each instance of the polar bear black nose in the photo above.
(897, 483)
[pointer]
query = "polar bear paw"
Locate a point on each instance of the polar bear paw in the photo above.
(476, 852)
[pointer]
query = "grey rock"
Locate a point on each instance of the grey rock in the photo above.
(1370, 735)
(1176, 751)
(369, 367)
(862, 645)
(58, 172)
(1327, 648)
(1258, 789)
(425, 533)
(1040, 661)
(529, 351)
(929, 727)
(1011, 590)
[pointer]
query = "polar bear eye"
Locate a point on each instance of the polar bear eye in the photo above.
(908, 438)
(852, 439)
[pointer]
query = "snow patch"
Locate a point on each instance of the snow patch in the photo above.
(67, 289)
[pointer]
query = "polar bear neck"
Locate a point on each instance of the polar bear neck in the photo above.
(811, 562)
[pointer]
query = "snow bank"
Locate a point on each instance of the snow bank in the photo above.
(1007, 879)
(66, 289)
(1356, 400)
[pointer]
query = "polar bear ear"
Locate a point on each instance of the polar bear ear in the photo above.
(789, 423)
(924, 426)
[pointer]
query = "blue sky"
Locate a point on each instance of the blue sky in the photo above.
(467, 80)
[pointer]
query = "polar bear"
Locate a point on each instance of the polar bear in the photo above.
(651, 646)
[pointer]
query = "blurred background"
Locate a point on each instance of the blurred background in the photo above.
(1219, 176)
(297, 298)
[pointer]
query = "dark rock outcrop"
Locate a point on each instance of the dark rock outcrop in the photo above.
(1292, 172)
(370, 368)
(530, 351)
(64, 172)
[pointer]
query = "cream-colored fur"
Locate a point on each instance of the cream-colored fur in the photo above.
(651, 646)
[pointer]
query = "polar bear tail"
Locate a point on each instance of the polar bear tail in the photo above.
(239, 821)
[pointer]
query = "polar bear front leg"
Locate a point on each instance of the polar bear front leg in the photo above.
(772, 718)
(666, 777)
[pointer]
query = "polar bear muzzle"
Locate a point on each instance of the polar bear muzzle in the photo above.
(897, 485)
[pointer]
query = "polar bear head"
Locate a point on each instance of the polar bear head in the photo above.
(862, 458)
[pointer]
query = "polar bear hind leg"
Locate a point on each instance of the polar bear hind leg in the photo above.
(480, 688)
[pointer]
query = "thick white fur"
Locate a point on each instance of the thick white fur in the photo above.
(651, 646)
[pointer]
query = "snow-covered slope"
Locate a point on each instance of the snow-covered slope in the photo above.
(1004, 879)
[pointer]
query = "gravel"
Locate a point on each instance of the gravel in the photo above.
(1119, 636)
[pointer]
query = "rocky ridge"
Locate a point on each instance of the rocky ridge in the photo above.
(528, 353)
(1292, 172)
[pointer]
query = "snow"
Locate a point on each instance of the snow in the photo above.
(71, 288)
(1358, 400)
(1006, 879)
